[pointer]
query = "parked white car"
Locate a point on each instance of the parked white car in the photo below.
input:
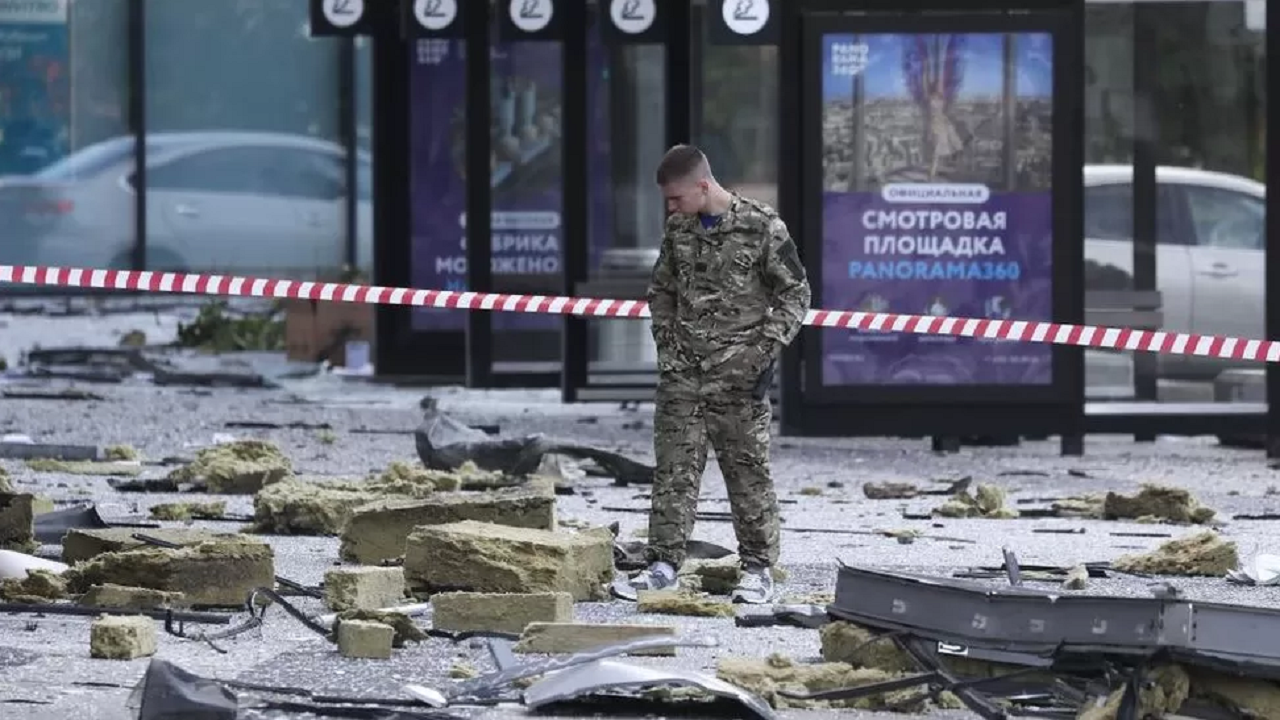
(1210, 253)
(221, 201)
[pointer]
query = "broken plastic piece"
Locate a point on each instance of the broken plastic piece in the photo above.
(613, 675)
(50, 528)
(167, 692)
(1264, 570)
(14, 565)
(490, 684)
(444, 443)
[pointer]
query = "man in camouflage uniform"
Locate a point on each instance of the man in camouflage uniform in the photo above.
(728, 293)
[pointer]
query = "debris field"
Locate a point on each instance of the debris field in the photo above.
(297, 549)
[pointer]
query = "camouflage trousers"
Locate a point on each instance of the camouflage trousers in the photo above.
(689, 418)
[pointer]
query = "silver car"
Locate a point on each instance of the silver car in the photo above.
(1210, 253)
(220, 201)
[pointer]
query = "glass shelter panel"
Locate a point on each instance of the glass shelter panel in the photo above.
(245, 163)
(65, 143)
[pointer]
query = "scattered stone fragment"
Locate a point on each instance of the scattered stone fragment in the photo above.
(120, 452)
(461, 670)
(364, 639)
(1202, 554)
(400, 473)
(363, 588)
(6, 485)
(987, 501)
(810, 491)
(765, 677)
(485, 557)
(402, 624)
(17, 519)
(41, 505)
(1168, 504)
(378, 530)
(1164, 691)
(39, 586)
(1079, 506)
(718, 577)
(188, 511)
(83, 467)
(568, 638)
(219, 572)
(498, 612)
(300, 507)
(79, 545)
(119, 637)
(890, 491)
(845, 642)
(680, 602)
(1077, 578)
(240, 467)
(120, 597)
(1242, 696)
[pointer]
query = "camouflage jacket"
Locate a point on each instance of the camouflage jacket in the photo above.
(725, 300)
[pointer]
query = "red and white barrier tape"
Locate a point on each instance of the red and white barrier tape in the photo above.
(1167, 343)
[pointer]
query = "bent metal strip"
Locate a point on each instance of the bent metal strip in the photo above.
(1166, 343)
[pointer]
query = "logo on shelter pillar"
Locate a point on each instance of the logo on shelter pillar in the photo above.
(632, 16)
(745, 17)
(343, 13)
(531, 15)
(435, 14)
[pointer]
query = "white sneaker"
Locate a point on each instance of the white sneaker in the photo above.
(755, 588)
(658, 576)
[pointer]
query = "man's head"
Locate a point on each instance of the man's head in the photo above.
(684, 175)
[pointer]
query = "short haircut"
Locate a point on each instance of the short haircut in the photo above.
(679, 163)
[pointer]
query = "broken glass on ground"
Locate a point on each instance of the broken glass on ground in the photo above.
(444, 443)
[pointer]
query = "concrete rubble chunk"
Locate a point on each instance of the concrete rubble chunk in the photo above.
(240, 467)
(79, 545)
(682, 602)
(17, 522)
(39, 586)
(378, 531)
(216, 573)
(120, 597)
(846, 642)
(324, 507)
(1164, 690)
(364, 639)
(363, 588)
(118, 637)
(718, 577)
(1201, 554)
(765, 677)
(405, 631)
(987, 501)
(890, 490)
(6, 484)
(568, 638)
(498, 612)
(486, 557)
(182, 511)
(1077, 578)
(1158, 503)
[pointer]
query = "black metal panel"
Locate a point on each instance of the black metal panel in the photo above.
(575, 181)
(791, 377)
(1273, 238)
(348, 18)
(879, 409)
(626, 22)
(745, 22)
(434, 18)
(479, 336)
(532, 19)
(1146, 144)
(351, 142)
